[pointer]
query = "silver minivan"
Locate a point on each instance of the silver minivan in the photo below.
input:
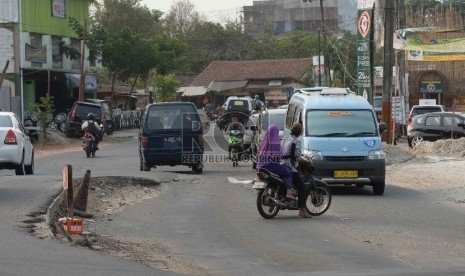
(341, 135)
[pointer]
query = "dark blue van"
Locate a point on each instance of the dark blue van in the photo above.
(171, 134)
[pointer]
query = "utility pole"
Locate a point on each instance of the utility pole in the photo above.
(402, 70)
(325, 45)
(387, 71)
(83, 55)
(327, 70)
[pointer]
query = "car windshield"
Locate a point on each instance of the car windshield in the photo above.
(277, 119)
(239, 105)
(86, 109)
(424, 110)
(5, 121)
(340, 123)
(171, 117)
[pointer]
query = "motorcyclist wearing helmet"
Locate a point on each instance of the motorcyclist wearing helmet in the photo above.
(234, 125)
(91, 126)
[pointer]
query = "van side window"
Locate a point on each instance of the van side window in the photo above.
(290, 115)
(298, 115)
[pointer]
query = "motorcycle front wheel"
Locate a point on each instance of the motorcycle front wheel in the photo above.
(264, 203)
(318, 200)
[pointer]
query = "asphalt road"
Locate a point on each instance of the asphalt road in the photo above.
(214, 225)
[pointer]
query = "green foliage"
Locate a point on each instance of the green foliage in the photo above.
(115, 15)
(43, 110)
(166, 87)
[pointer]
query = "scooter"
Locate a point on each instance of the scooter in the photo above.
(236, 139)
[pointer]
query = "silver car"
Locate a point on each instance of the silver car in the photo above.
(16, 149)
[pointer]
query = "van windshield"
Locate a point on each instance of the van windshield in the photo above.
(172, 117)
(340, 123)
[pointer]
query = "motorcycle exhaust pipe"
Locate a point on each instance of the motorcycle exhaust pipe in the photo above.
(276, 202)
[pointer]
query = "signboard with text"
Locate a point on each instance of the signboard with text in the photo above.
(364, 41)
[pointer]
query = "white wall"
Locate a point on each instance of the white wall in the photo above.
(8, 11)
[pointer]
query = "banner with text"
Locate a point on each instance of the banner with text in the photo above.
(364, 45)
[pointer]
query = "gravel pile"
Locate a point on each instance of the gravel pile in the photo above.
(449, 148)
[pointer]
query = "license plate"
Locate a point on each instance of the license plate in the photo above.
(345, 174)
(174, 140)
(259, 185)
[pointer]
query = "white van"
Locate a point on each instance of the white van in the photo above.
(341, 135)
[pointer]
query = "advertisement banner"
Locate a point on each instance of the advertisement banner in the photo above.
(364, 45)
(433, 56)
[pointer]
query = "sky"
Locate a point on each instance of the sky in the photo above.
(214, 10)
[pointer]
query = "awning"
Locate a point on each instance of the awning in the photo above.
(192, 91)
(219, 86)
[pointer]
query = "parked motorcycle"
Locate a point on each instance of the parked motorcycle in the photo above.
(236, 139)
(90, 144)
(271, 196)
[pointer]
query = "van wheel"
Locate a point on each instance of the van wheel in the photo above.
(197, 170)
(378, 187)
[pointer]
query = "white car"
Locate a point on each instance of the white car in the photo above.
(16, 150)
(267, 118)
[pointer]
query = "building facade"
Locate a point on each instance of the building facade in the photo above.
(287, 16)
(32, 36)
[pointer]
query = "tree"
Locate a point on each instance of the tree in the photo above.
(43, 110)
(122, 53)
(114, 15)
(166, 87)
(181, 19)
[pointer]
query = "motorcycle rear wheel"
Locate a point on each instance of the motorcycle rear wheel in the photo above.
(88, 150)
(264, 210)
(318, 200)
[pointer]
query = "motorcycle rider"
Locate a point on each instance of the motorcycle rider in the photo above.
(269, 158)
(91, 126)
(291, 151)
(234, 125)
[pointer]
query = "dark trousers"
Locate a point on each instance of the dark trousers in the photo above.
(299, 185)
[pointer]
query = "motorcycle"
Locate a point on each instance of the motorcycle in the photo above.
(271, 197)
(89, 144)
(236, 139)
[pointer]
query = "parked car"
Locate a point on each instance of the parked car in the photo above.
(78, 114)
(239, 104)
(250, 130)
(109, 123)
(435, 126)
(171, 134)
(266, 118)
(16, 149)
(422, 109)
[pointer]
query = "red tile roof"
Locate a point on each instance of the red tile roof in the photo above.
(186, 79)
(253, 69)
